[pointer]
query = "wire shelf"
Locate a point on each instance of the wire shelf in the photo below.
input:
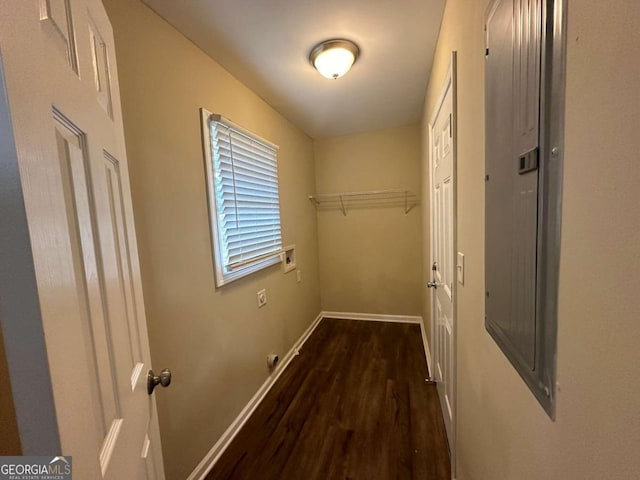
(366, 199)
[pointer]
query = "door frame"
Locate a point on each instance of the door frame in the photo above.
(449, 83)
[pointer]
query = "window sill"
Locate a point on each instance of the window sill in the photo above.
(226, 278)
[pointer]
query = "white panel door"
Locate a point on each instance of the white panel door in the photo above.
(442, 255)
(61, 79)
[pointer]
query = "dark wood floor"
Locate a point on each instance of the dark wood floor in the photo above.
(353, 405)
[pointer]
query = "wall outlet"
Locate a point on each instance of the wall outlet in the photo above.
(298, 276)
(262, 298)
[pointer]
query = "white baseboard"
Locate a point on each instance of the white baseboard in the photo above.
(372, 317)
(207, 463)
(427, 350)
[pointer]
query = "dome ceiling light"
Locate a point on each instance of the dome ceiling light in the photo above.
(333, 58)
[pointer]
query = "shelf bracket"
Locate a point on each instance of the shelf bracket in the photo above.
(344, 211)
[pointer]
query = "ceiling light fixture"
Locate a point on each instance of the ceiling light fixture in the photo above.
(333, 58)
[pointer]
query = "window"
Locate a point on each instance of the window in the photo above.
(244, 208)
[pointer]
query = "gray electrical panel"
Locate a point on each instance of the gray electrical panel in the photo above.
(524, 140)
(512, 113)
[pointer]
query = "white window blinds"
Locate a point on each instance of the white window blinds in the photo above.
(247, 210)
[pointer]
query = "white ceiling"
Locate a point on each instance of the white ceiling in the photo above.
(266, 43)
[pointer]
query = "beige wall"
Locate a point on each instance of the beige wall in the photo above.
(215, 341)
(370, 258)
(502, 431)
